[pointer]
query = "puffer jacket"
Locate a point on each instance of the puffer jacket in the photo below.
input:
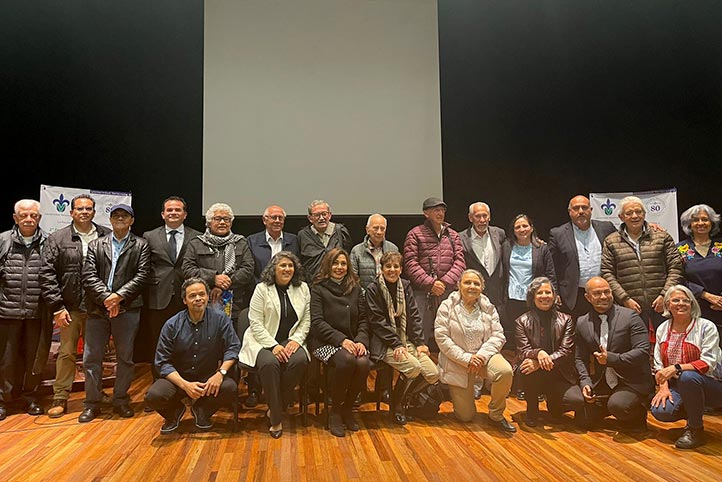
(61, 279)
(641, 279)
(428, 257)
(455, 354)
(132, 273)
(20, 296)
(363, 262)
(527, 332)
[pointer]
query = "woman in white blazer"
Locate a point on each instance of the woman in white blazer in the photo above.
(275, 342)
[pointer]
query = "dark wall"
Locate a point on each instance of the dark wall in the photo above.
(540, 100)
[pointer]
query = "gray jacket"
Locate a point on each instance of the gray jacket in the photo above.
(363, 263)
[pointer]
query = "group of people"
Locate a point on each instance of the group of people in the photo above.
(462, 297)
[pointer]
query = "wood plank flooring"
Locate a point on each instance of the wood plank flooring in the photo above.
(114, 449)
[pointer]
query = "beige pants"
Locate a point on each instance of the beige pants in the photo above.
(415, 364)
(499, 373)
(67, 354)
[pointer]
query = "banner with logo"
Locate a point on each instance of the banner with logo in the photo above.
(661, 208)
(55, 205)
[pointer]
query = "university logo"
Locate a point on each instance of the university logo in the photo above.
(61, 203)
(608, 207)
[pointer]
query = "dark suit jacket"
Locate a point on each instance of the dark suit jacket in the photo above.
(262, 251)
(494, 282)
(566, 259)
(166, 276)
(541, 264)
(627, 350)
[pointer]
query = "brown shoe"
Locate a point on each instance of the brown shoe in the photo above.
(58, 408)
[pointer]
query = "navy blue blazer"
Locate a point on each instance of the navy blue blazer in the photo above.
(262, 251)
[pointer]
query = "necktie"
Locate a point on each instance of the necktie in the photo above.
(609, 373)
(173, 246)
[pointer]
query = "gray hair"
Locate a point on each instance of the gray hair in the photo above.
(265, 211)
(686, 218)
(318, 202)
(268, 275)
(368, 222)
(474, 272)
(695, 310)
(193, 281)
(631, 199)
(534, 286)
(26, 203)
(478, 204)
(218, 207)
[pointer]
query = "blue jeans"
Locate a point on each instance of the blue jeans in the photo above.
(690, 392)
(98, 329)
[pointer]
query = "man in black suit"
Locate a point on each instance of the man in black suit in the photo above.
(265, 244)
(167, 244)
(612, 358)
(576, 248)
(482, 252)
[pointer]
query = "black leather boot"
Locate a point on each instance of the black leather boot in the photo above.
(398, 399)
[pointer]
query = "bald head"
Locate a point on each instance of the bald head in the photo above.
(274, 217)
(580, 212)
(599, 294)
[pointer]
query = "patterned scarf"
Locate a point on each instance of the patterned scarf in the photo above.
(229, 249)
(398, 314)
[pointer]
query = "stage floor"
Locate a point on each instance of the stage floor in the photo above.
(110, 449)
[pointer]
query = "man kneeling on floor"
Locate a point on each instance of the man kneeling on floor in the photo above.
(195, 350)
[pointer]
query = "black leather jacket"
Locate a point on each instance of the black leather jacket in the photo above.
(527, 332)
(61, 278)
(132, 273)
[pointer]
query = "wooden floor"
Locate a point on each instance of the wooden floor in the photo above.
(114, 449)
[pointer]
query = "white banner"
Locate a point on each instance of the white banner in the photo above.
(661, 208)
(55, 205)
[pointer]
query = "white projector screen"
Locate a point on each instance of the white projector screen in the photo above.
(321, 99)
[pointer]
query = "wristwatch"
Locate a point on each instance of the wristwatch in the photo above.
(223, 372)
(678, 367)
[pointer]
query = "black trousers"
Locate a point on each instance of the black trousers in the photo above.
(561, 395)
(279, 379)
(19, 340)
(349, 377)
(624, 403)
(165, 397)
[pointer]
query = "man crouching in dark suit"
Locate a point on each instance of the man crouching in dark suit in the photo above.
(612, 358)
(167, 245)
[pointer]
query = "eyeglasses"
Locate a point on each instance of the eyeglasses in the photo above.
(599, 293)
(680, 301)
(638, 212)
(275, 217)
(35, 216)
(322, 214)
(221, 219)
(120, 216)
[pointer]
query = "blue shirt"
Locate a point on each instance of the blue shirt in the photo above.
(520, 274)
(195, 350)
(117, 248)
(589, 252)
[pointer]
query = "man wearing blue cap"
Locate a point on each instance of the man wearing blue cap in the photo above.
(116, 270)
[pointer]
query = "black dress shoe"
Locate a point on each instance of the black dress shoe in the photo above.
(276, 433)
(124, 411)
(251, 400)
(35, 409)
(691, 438)
(502, 425)
(3, 412)
(171, 425)
(147, 409)
(531, 419)
(88, 414)
(201, 420)
(520, 395)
